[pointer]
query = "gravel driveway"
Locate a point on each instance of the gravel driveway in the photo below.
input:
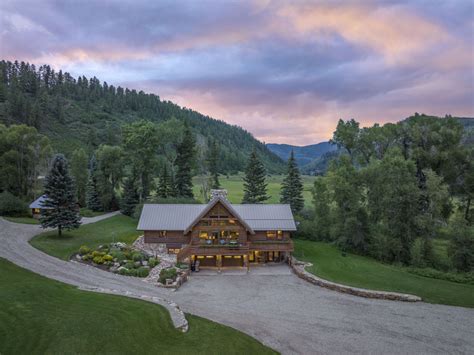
(274, 306)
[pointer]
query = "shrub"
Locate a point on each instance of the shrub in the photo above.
(152, 262)
(461, 248)
(11, 205)
(118, 255)
(123, 271)
(129, 265)
(464, 278)
(108, 257)
(84, 249)
(142, 271)
(137, 256)
(87, 257)
(97, 253)
(416, 253)
(98, 260)
(170, 273)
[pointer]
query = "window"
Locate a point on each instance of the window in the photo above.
(203, 235)
(274, 234)
(271, 234)
(161, 233)
(173, 250)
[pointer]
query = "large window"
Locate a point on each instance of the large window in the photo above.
(274, 234)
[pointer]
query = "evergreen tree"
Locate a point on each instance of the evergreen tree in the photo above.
(255, 187)
(213, 161)
(184, 161)
(130, 197)
(164, 185)
(292, 186)
(92, 195)
(61, 209)
(79, 171)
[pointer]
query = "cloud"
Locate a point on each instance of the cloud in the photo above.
(284, 71)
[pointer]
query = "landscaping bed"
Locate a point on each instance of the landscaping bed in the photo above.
(117, 258)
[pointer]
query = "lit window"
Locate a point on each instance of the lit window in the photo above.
(203, 235)
(271, 234)
(279, 234)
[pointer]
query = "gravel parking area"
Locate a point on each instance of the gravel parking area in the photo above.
(279, 309)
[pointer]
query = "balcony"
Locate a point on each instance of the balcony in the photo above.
(272, 245)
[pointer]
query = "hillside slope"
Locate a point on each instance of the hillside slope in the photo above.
(85, 113)
(303, 154)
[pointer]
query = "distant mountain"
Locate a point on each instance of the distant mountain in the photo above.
(303, 154)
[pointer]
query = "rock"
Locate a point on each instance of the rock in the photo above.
(78, 257)
(116, 264)
(137, 263)
(145, 263)
(121, 268)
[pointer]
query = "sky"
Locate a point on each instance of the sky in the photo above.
(286, 71)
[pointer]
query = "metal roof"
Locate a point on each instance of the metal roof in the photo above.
(179, 217)
(38, 203)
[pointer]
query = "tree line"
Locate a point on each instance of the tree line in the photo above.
(397, 188)
(85, 113)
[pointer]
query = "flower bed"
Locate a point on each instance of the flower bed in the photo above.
(118, 258)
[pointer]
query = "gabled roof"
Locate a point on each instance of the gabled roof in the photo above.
(210, 205)
(179, 217)
(38, 203)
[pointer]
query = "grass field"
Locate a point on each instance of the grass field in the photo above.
(24, 220)
(42, 316)
(364, 272)
(234, 185)
(114, 229)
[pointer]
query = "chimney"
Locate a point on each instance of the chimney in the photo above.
(218, 193)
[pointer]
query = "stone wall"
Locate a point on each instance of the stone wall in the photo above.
(298, 268)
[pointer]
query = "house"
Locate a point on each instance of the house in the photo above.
(37, 205)
(220, 234)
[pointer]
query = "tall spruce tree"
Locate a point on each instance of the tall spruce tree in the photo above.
(213, 161)
(292, 186)
(165, 184)
(255, 187)
(184, 162)
(61, 210)
(92, 195)
(130, 196)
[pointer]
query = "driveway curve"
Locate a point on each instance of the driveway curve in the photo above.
(281, 310)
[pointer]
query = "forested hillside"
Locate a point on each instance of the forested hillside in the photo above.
(85, 112)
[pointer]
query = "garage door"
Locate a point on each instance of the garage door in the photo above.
(236, 260)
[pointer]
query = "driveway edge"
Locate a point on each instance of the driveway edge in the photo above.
(298, 268)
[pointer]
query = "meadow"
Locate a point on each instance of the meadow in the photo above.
(234, 185)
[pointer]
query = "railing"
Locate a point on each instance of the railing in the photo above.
(272, 245)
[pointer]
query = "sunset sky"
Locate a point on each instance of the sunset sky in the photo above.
(285, 71)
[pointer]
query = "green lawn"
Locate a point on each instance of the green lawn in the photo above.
(42, 316)
(24, 220)
(85, 212)
(364, 272)
(118, 228)
(235, 187)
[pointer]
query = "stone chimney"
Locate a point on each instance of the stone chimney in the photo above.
(218, 193)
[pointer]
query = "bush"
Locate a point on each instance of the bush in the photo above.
(152, 262)
(129, 265)
(416, 254)
(96, 253)
(142, 271)
(87, 257)
(461, 248)
(108, 257)
(137, 256)
(84, 249)
(116, 254)
(124, 271)
(98, 260)
(170, 273)
(11, 205)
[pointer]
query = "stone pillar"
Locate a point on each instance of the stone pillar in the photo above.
(246, 262)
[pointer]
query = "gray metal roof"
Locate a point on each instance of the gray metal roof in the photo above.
(180, 216)
(38, 203)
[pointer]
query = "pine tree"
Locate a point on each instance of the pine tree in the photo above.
(130, 197)
(213, 160)
(164, 185)
(61, 210)
(292, 186)
(92, 195)
(184, 162)
(255, 187)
